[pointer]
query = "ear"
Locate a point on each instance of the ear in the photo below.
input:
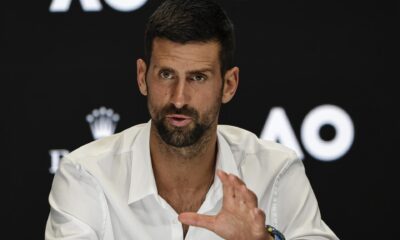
(231, 81)
(141, 76)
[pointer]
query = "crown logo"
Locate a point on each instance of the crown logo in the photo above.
(102, 122)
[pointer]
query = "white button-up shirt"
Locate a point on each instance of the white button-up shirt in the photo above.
(106, 190)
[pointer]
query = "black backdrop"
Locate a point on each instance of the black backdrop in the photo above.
(56, 67)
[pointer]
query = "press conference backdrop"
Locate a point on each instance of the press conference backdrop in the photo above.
(311, 77)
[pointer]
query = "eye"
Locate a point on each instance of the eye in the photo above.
(166, 74)
(198, 77)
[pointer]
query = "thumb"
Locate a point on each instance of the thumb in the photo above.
(197, 220)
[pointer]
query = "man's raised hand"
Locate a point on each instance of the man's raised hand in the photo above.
(239, 218)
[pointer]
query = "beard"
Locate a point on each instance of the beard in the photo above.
(188, 135)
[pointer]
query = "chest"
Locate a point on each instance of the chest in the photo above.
(154, 218)
(184, 202)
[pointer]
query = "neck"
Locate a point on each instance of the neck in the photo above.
(187, 169)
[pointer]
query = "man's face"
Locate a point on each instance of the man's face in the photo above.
(184, 87)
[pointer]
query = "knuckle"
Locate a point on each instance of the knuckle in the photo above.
(236, 179)
(260, 212)
(252, 195)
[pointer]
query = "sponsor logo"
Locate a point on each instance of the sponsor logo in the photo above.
(278, 128)
(102, 122)
(55, 157)
(58, 6)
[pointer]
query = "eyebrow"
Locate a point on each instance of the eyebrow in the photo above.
(158, 68)
(201, 70)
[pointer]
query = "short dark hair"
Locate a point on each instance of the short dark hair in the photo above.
(184, 21)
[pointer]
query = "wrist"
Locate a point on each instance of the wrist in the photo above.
(266, 236)
(273, 233)
(269, 236)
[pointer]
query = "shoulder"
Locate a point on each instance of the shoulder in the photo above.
(105, 149)
(249, 147)
(241, 139)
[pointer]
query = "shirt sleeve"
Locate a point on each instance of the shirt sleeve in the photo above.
(77, 205)
(297, 207)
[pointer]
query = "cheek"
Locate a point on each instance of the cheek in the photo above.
(215, 94)
(210, 101)
(157, 99)
(157, 93)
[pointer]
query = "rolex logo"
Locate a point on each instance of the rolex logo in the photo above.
(102, 122)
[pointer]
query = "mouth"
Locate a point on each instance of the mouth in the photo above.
(178, 120)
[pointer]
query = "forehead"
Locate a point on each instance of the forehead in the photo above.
(191, 54)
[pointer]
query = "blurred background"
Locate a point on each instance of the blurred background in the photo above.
(313, 76)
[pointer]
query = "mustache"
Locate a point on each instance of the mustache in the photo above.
(185, 110)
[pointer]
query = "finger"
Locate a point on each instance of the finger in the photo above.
(243, 195)
(229, 179)
(259, 216)
(249, 197)
(238, 187)
(223, 176)
(259, 219)
(228, 188)
(197, 220)
(237, 180)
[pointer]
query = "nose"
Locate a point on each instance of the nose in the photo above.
(179, 95)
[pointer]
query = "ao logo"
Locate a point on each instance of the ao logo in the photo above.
(277, 127)
(95, 5)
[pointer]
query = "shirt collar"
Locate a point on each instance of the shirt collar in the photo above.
(142, 177)
(225, 160)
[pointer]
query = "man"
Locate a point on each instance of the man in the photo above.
(156, 180)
